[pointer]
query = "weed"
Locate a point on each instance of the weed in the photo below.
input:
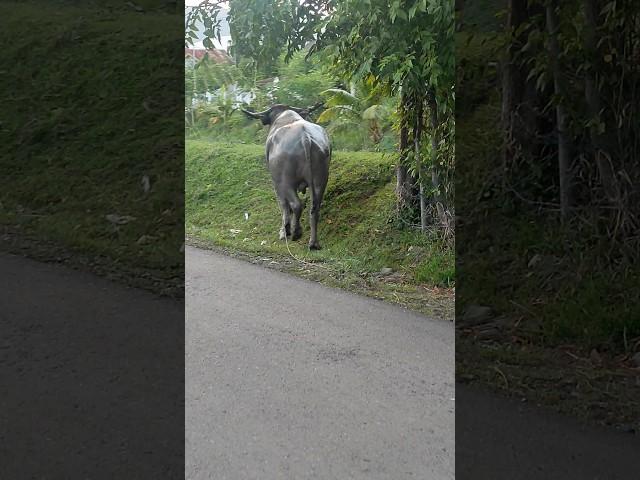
(230, 203)
(66, 167)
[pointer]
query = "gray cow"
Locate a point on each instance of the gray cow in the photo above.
(298, 155)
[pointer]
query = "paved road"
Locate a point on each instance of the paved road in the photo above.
(91, 386)
(499, 438)
(287, 379)
(91, 377)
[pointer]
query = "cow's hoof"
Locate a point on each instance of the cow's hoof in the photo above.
(314, 246)
(283, 235)
(297, 235)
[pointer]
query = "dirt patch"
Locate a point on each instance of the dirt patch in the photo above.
(431, 301)
(336, 354)
(169, 283)
(596, 387)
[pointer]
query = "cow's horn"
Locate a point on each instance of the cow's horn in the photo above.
(257, 115)
(307, 110)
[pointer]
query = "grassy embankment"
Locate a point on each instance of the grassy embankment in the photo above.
(81, 109)
(566, 322)
(551, 276)
(357, 231)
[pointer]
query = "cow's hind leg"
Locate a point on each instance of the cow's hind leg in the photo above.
(296, 211)
(314, 217)
(285, 229)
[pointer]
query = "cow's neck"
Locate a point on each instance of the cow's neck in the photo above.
(285, 118)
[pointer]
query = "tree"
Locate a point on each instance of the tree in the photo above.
(361, 103)
(570, 93)
(405, 48)
(263, 29)
(408, 48)
(564, 162)
(206, 14)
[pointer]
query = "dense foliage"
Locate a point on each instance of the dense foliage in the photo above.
(406, 47)
(404, 50)
(214, 92)
(548, 175)
(571, 117)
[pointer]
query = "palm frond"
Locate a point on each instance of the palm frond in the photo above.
(375, 112)
(337, 96)
(337, 111)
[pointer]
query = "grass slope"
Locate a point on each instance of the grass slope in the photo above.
(565, 325)
(359, 238)
(76, 127)
(565, 295)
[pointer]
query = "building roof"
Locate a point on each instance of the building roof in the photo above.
(218, 56)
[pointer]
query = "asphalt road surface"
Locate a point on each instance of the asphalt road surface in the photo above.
(498, 438)
(91, 377)
(284, 379)
(288, 379)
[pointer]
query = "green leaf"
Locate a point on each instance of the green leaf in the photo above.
(338, 96)
(375, 112)
(412, 10)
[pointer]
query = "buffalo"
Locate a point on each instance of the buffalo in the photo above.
(298, 153)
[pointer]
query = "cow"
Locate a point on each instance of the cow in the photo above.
(298, 153)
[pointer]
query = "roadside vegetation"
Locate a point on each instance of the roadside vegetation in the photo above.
(349, 120)
(386, 225)
(79, 179)
(547, 292)
(230, 204)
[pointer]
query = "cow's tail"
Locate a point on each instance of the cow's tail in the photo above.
(306, 145)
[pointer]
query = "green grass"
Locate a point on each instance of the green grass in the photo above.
(573, 294)
(357, 228)
(548, 285)
(82, 122)
(437, 269)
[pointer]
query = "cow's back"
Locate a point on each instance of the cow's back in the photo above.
(288, 139)
(289, 131)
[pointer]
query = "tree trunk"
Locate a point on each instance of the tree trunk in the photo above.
(592, 96)
(564, 160)
(512, 81)
(522, 117)
(417, 134)
(459, 7)
(435, 176)
(405, 182)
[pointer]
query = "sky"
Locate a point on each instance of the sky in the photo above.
(192, 3)
(224, 28)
